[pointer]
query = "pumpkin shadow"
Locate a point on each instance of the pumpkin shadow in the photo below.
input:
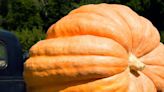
(135, 73)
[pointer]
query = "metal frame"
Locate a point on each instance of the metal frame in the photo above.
(11, 77)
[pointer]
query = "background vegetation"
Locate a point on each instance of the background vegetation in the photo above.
(29, 19)
(2, 52)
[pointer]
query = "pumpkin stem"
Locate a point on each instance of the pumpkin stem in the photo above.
(135, 64)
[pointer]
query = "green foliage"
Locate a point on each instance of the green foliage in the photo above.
(28, 37)
(2, 51)
(139, 5)
(162, 36)
(3, 7)
(18, 14)
(22, 14)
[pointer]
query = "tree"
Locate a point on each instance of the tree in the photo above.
(22, 14)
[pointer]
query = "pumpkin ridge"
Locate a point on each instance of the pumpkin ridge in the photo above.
(150, 75)
(153, 34)
(72, 46)
(79, 22)
(116, 8)
(159, 75)
(74, 61)
(64, 85)
(51, 69)
(98, 13)
(106, 85)
(140, 82)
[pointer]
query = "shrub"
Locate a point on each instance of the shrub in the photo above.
(28, 37)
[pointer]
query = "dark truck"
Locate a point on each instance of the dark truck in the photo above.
(11, 63)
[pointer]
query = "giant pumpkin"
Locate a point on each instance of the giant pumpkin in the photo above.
(97, 48)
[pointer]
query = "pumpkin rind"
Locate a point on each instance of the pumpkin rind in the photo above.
(93, 48)
(155, 66)
(141, 83)
(91, 45)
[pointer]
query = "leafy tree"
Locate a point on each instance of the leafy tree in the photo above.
(28, 37)
(22, 14)
(3, 7)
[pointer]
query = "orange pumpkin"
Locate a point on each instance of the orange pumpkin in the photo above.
(97, 48)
